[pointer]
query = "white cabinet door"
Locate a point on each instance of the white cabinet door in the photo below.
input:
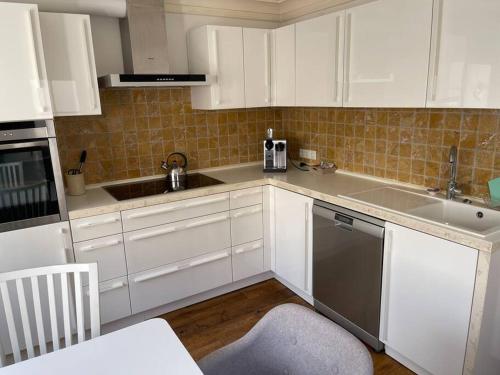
(257, 63)
(71, 70)
(218, 51)
(387, 53)
(427, 298)
(319, 60)
(465, 68)
(293, 218)
(283, 67)
(24, 94)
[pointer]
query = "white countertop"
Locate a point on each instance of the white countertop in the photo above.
(331, 188)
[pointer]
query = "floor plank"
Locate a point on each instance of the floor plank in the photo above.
(210, 325)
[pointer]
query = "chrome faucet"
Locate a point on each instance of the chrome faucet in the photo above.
(451, 190)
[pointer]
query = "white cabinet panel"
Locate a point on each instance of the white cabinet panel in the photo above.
(24, 94)
(165, 244)
(387, 53)
(283, 67)
(427, 298)
(293, 218)
(246, 197)
(145, 217)
(257, 63)
(465, 68)
(218, 51)
(96, 226)
(248, 260)
(319, 61)
(108, 252)
(114, 301)
(170, 283)
(246, 224)
(69, 54)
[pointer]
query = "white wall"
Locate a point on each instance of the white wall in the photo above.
(107, 45)
(179, 24)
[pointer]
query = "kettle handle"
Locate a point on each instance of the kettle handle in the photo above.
(183, 157)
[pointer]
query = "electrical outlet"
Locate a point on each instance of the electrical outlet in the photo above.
(307, 154)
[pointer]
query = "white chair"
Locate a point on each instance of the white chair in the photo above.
(71, 277)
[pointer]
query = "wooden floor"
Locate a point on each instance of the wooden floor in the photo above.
(212, 324)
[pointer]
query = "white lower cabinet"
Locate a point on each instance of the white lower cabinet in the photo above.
(107, 252)
(248, 260)
(246, 224)
(176, 281)
(427, 294)
(165, 244)
(293, 253)
(114, 301)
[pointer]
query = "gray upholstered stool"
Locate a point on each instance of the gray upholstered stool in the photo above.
(291, 340)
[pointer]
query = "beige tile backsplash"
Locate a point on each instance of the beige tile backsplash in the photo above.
(408, 145)
(140, 127)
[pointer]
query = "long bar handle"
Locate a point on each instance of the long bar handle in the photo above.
(218, 99)
(245, 249)
(100, 246)
(267, 74)
(347, 68)
(246, 213)
(91, 224)
(389, 238)
(336, 58)
(89, 64)
(439, 26)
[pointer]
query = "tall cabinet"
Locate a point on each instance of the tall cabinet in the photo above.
(387, 53)
(465, 63)
(319, 61)
(25, 93)
(218, 51)
(71, 69)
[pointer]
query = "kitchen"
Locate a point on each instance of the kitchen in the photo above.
(345, 154)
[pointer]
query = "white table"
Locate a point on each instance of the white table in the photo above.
(150, 347)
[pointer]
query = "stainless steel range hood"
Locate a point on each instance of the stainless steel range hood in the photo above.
(144, 45)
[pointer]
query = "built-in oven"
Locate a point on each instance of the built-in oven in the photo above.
(31, 186)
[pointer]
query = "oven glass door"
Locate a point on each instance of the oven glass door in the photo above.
(28, 194)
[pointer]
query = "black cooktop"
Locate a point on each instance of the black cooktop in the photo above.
(162, 186)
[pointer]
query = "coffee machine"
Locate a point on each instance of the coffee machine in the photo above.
(274, 154)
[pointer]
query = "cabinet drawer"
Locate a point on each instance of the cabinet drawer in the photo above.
(114, 301)
(246, 224)
(246, 197)
(140, 218)
(170, 283)
(108, 252)
(248, 260)
(165, 244)
(96, 226)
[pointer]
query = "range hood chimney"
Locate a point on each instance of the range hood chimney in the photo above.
(144, 45)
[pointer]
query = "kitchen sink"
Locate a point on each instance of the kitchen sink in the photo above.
(466, 217)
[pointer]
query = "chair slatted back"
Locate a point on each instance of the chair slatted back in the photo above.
(70, 278)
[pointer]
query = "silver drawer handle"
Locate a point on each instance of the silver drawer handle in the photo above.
(91, 224)
(100, 246)
(242, 250)
(248, 194)
(176, 208)
(114, 286)
(177, 229)
(246, 213)
(170, 270)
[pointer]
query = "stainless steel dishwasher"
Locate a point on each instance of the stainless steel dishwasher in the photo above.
(348, 252)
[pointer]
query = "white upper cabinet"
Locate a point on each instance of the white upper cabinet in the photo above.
(465, 62)
(218, 51)
(283, 66)
(319, 61)
(427, 291)
(24, 94)
(387, 53)
(71, 70)
(257, 63)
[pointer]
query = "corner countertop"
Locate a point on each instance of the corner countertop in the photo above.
(329, 188)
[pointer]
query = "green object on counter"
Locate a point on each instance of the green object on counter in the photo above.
(494, 186)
